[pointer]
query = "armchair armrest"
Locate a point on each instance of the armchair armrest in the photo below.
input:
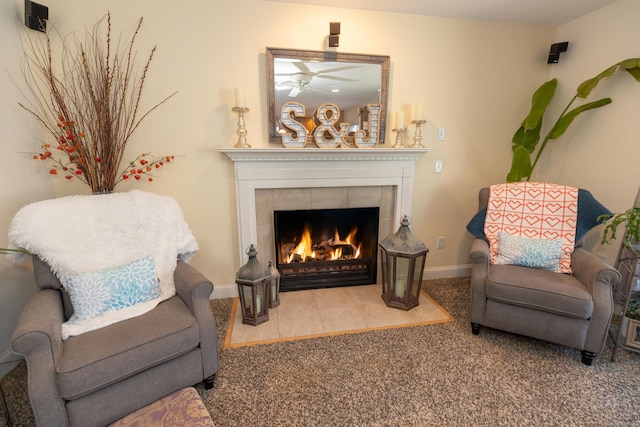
(38, 337)
(479, 252)
(592, 271)
(39, 326)
(480, 256)
(191, 285)
(195, 289)
(599, 278)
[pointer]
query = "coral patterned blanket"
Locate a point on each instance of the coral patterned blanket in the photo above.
(535, 211)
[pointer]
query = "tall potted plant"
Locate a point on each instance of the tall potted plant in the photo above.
(527, 137)
(89, 99)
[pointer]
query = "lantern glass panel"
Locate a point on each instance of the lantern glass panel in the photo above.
(385, 271)
(261, 298)
(274, 291)
(417, 275)
(247, 295)
(401, 276)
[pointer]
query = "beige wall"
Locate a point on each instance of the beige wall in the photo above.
(601, 150)
(475, 79)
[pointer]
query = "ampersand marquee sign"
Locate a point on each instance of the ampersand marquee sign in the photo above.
(326, 134)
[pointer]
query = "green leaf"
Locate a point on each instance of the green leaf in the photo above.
(587, 86)
(520, 166)
(632, 66)
(539, 102)
(563, 123)
(527, 139)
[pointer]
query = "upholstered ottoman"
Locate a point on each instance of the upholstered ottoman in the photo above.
(181, 408)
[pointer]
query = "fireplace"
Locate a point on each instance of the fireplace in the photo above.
(270, 179)
(322, 248)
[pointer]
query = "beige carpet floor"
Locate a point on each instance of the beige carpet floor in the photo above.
(432, 375)
(324, 312)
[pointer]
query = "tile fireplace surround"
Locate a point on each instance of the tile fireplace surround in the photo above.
(269, 179)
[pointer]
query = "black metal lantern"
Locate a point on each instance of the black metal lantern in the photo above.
(254, 282)
(403, 258)
(274, 290)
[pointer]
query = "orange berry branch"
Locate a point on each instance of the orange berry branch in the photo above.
(75, 158)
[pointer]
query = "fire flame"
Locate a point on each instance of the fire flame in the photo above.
(305, 249)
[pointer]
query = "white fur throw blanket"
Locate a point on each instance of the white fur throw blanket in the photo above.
(82, 234)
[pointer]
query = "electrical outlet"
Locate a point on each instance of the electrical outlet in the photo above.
(440, 244)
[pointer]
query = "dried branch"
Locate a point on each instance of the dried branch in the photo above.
(90, 104)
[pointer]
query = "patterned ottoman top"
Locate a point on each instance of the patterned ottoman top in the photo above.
(182, 408)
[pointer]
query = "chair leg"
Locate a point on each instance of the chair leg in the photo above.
(588, 357)
(475, 328)
(208, 382)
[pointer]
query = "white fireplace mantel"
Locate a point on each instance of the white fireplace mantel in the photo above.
(323, 154)
(261, 168)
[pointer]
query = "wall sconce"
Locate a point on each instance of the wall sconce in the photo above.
(35, 16)
(334, 34)
(555, 51)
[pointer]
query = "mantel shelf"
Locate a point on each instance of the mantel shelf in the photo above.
(322, 154)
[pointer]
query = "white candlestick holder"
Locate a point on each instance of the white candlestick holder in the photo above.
(417, 138)
(241, 129)
(399, 133)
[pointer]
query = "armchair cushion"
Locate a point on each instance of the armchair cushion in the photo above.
(91, 362)
(536, 289)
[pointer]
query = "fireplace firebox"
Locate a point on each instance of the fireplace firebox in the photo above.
(323, 248)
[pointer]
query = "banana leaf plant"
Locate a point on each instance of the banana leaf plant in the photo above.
(527, 137)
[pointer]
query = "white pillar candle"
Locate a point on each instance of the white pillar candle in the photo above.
(401, 287)
(400, 120)
(239, 97)
(418, 111)
(258, 303)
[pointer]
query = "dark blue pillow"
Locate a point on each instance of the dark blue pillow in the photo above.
(476, 225)
(588, 211)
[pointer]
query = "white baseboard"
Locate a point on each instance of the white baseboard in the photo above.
(8, 361)
(224, 291)
(446, 272)
(231, 291)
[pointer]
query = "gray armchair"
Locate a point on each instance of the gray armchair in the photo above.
(568, 309)
(97, 377)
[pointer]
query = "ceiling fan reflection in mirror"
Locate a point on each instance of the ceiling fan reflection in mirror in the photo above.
(300, 77)
(296, 84)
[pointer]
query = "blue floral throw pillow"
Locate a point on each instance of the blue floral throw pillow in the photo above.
(112, 288)
(534, 253)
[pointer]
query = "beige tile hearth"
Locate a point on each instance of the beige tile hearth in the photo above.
(318, 312)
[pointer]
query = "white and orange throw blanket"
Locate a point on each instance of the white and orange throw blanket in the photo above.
(535, 211)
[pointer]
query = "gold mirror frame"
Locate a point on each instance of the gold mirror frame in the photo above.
(313, 56)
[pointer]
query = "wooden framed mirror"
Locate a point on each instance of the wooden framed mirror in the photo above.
(312, 78)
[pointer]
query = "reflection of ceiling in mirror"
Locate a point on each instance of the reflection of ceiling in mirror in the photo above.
(312, 83)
